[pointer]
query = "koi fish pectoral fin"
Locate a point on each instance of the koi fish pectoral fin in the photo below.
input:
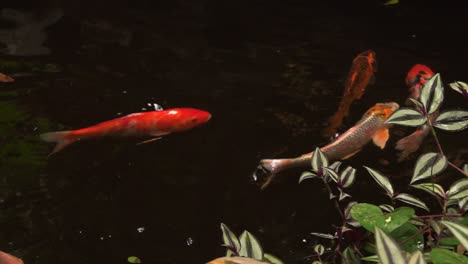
(380, 138)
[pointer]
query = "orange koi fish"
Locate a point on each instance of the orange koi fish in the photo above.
(154, 124)
(370, 127)
(361, 72)
(415, 79)
(5, 78)
(6, 258)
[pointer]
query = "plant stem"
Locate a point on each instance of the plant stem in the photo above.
(337, 205)
(456, 168)
(422, 231)
(438, 215)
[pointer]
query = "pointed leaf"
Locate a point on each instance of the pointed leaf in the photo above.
(373, 258)
(347, 177)
(318, 160)
(322, 235)
(435, 225)
(463, 204)
(458, 196)
(272, 259)
(407, 117)
(454, 120)
(319, 249)
(335, 165)
(370, 216)
(465, 168)
(432, 188)
(347, 211)
(409, 199)
(427, 165)
(307, 175)
(387, 249)
(418, 104)
(381, 180)
(230, 240)
(132, 259)
(443, 256)
(432, 94)
(343, 195)
(457, 187)
(350, 257)
(460, 87)
(250, 247)
(387, 207)
(416, 258)
(331, 173)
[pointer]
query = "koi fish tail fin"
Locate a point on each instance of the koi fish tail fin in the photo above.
(62, 139)
(409, 144)
(272, 167)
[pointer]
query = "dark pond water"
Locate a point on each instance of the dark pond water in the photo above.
(270, 72)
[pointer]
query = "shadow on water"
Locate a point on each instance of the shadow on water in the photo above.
(270, 74)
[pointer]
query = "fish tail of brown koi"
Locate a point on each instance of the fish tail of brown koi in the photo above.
(273, 167)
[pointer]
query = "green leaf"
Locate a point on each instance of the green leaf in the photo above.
(373, 258)
(443, 256)
(432, 188)
(230, 240)
(347, 210)
(454, 120)
(459, 231)
(318, 160)
(465, 168)
(435, 225)
(322, 235)
(307, 175)
(350, 257)
(458, 196)
(409, 234)
(417, 258)
(381, 180)
(406, 116)
(449, 241)
(457, 187)
(459, 87)
(331, 173)
(370, 216)
(427, 165)
(250, 247)
(409, 199)
(391, 2)
(387, 249)
(133, 259)
(387, 208)
(319, 249)
(347, 176)
(432, 94)
(272, 259)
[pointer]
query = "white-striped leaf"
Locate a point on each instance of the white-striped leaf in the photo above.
(307, 175)
(417, 258)
(347, 211)
(458, 196)
(319, 249)
(381, 180)
(457, 187)
(335, 165)
(373, 258)
(429, 164)
(432, 94)
(343, 195)
(417, 222)
(407, 117)
(322, 235)
(318, 160)
(463, 204)
(465, 168)
(347, 177)
(332, 174)
(417, 103)
(459, 231)
(460, 87)
(435, 225)
(272, 259)
(409, 199)
(454, 120)
(230, 240)
(250, 247)
(387, 249)
(432, 188)
(387, 207)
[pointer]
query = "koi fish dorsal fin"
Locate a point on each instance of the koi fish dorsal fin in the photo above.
(380, 137)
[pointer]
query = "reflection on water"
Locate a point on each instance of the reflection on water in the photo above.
(271, 74)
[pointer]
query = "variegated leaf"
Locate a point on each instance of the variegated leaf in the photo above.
(322, 235)
(318, 160)
(250, 247)
(465, 168)
(347, 177)
(331, 173)
(307, 175)
(460, 87)
(387, 249)
(407, 117)
(347, 210)
(416, 258)
(459, 231)
(458, 196)
(387, 207)
(409, 199)
(272, 259)
(429, 164)
(432, 188)
(463, 204)
(417, 222)
(418, 104)
(335, 165)
(381, 180)
(435, 225)
(230, 240)
(457, 187)
(432, 94)
(319, 249)
(454, 120)
(373, 258)
(343, 195)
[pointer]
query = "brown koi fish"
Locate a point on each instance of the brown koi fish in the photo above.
(6, 258)
(361, 72)
(370, 127)
(415, 79)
